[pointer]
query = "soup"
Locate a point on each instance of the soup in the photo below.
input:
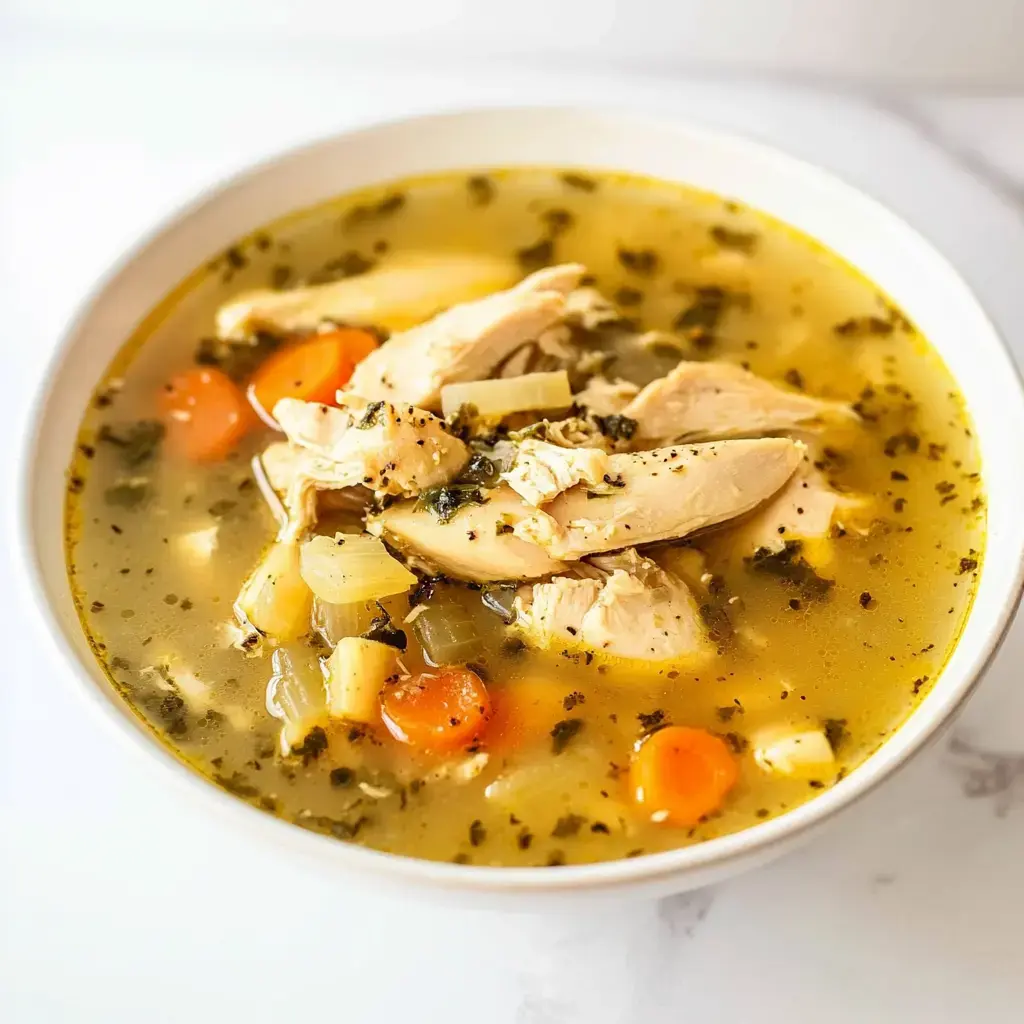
(532, 517)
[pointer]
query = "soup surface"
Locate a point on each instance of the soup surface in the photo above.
(553, 627)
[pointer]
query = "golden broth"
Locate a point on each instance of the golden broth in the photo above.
(158, 611)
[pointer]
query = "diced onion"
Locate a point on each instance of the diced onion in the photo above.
(514, 394)
(335, 621)
(795, 753)
(349, 568)
(356, 671)
(300, 702)
(275, 599)
(454, 626)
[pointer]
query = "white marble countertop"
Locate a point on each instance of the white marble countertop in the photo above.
(115, 907)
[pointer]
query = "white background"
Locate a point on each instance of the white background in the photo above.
(120, 904)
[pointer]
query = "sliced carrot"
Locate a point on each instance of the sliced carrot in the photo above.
(206, 414)
(437, 711)
(680, 774)
(311, 370)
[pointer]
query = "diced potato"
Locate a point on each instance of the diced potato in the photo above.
(795, 753)
(346, 569)
(512, 394)
(298, 699)
(356, 672)
(275, 599)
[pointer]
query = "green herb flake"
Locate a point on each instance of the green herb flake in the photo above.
(791, 568)
(534, 257)
(563, 733)
(446, 501)
(863, 327)
(836, 733)
(627, 296)
(127, 495)
(481, 189)
(372, 417)
(644, 262)
(557, 220)
(568, 825)
(314, 744)
(616, 427)
(138, 443)
(650, 721)
(480, 470)
(384, 631)
(701, 319)
(221, 508)
(738, 241)
(364, 212)
(580, 182)
(238, 784)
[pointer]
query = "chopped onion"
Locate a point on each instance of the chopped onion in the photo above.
(336, 621)
(349, 568)
(275, 599)
(502, 601)
(356, 671)
(447, 634)
(299, 702)
(514, 394)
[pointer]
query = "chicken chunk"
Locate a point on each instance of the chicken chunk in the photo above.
(404, 292)
(360, 444)
(477, 543)
(541, 471)
(805, 509)
(589, 309)
(662, 494)
(465, 343)
(638, 612)
(302, 486)
(605, 397)
(703, 401)
(387, 448)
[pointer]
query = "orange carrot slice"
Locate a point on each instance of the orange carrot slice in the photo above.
(206, 414)
(437, 711)
(680, 774)
(311, 370)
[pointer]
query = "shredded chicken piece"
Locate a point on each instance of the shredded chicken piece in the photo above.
(604, 397)
(478, 542)
(636, 611)
(702, 401)
(806, 509)
(371, 445)
(406, 290)
(663, 494)
(589, 309)
(542, 470)
(466, 342)
(386, 448)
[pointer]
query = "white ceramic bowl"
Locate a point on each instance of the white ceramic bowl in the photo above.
(887, 250)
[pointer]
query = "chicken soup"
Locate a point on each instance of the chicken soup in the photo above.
(527, 517)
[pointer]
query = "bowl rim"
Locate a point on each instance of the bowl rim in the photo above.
(765, 838)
